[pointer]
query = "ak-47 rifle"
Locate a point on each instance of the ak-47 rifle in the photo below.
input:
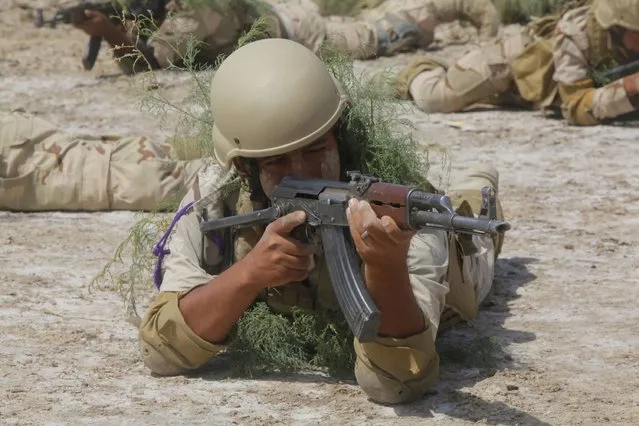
(601, 78)
(152, 11)
(325, 203)
(620, 71)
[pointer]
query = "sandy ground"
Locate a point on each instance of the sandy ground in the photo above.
(562, 313)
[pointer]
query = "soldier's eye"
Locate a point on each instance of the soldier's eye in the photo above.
(274, 161)
(316, 148)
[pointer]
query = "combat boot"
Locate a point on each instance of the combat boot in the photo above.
(396, 34)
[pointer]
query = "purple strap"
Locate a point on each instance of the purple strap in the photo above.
(159, 249)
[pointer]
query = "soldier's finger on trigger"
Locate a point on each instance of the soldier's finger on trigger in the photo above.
(287, 223)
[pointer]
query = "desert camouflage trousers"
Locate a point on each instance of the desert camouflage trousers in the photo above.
(42, 168)
(361, 35)
(483, 75)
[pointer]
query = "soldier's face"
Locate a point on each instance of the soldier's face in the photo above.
(319, 160)
(630, 40)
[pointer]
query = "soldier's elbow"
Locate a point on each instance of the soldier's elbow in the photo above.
(385, 389)
(156, 362)
(580, 119)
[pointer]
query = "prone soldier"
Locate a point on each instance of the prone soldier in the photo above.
(273, 122)
(392, 26)
(545, 65)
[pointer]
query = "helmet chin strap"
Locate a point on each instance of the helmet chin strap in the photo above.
(251, 175)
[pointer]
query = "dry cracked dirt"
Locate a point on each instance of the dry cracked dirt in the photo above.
(556, 342)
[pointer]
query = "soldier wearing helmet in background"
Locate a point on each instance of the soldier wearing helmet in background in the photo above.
(287, 117)
(392, 26)
(545, 65)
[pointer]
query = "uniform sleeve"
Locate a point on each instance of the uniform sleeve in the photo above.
(582, 103)
(394, 370)
(177, 34)
(167, 344)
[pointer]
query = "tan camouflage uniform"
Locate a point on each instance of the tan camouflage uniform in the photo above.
(218, 29)
(529, 69)
(362, 35)
(445, 282)
(42, 168)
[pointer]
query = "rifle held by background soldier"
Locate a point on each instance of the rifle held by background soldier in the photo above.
(144, 12)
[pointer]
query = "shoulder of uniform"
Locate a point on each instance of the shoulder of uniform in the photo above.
(211, 190)
(574, 21)
(207, 179)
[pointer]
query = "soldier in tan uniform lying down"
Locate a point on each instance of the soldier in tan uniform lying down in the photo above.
(283, 118)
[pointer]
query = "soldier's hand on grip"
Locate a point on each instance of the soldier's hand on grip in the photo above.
(278, 259)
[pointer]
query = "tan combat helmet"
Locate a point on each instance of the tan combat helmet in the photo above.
(270, 97)
(622, 13)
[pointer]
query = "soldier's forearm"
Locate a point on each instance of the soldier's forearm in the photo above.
(391, 290)
(212, 310)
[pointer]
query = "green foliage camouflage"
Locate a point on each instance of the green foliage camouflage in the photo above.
(523, 11)
(129, 271)
(597, 72)
(377, 139)
(345, 7)
(264, 341)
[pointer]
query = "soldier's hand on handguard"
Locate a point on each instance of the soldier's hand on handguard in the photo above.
(379, 242)
(94, 23)
(278, 259)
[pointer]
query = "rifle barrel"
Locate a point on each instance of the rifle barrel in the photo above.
(621, 71)
(455, 222)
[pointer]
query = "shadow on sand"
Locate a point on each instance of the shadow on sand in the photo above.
(469, 354)
(473, 352)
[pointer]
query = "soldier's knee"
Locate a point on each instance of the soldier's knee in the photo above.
(422, 81)
(432, 93)
(429, 97)
(435, 104)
